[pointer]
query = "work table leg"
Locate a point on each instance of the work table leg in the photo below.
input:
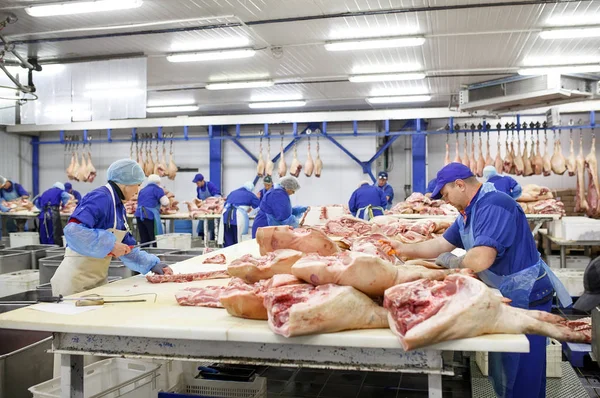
(435, 385)
(563, 256)
(71, 376)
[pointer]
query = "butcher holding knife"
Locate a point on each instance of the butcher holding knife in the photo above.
(493, 229)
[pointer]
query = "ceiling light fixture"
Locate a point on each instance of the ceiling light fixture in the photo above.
(212, 55)
(81, 7)
(157, 102)
(172, 109)
(399, 99)
(396, 91)
(560, 60)
(368, 44)
(234, 85)
(276, 104)
(563, 69)
(573, 20)
(386, 68)
(382, 77)
(570, 33)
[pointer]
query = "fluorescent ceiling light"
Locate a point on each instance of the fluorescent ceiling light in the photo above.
(548, 61)
(382, 77)
(408, 67)
(81, 7)
(396, 91)
(573, 20)
(276, 104)
(211, 55)
(565, 69)
(210, 44)
(399, 99)
(371, 32)
(368, 44)
(274, 97)
(234, 85)
(180, 102)
(167, 109)
(572, 33)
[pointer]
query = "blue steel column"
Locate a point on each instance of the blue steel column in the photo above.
(35, 165)
(419, 158)
(216, 156)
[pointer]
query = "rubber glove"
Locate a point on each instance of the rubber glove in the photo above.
(299, 210)
(140, 261)
(516, 192)
(449, 260)
(162, 269)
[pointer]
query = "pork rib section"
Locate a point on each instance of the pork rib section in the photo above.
(304, 309)
(305, 240)
(200, 296)
(427, 312)
(181, 278)
(252, 269)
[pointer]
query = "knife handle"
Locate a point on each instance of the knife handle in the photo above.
(87, 303)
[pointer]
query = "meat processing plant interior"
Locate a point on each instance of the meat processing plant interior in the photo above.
(308, 198)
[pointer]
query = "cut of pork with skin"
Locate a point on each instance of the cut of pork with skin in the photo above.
(558, 161)
(318, 162)
(269, 166)
(376, 245)
(282, 166)
(509, 165)
(547, 165)
(457, 158)
(489, 161)
(472, 159)
(200, 296)
(527, 166)
(581, 204)
(305, 240)
(571, 163)
(91, 169)
(309, 166)
(252, 269)
(480, 161)
(447, 157)
(534, 193)
(348, 226)
(518, 158)
(498, 162)
(538, 161)
(427, 312)
(241, 299)
(466, 160)
(295, 167)
(593, 195)
(304, 309)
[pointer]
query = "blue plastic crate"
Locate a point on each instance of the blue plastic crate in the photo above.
(183, 226)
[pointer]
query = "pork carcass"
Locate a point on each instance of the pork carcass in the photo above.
(160, 168)
(83, 169)
(457, 158)
(269, 166)
(472, 159)
(489, 161)
(71, 173)
(465, 158)
(498, 162)
(538, 162)
(547, 164)
(282, 167)
(447, 158)
(558, 162)
(171, 168)
(480, 161)
(509, 159)
(518, 158)
(260, 168)
(581, 204)
(427, 312)
(365, 272)
(533, 193)
(305, 240)
(149, 163)
(91, 169)
(318, 162)
(304, 309)
(591, 165)
(571, 162)
(528, 167)
(295, 167)
(309, 166)
(252, 269)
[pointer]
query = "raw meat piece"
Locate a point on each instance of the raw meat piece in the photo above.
(427, 312)
(241, 300)
(323, 216)
(82, 170)
(348, 226)
(71, 173)
(417, 203)
(260, 168)
(282, 167)
(509, 158)
(465, 158)
(305, 240)
(295, 167)
(518, 158)
(538, 162)
(489, 161)
(472, 160)
(547, 161)
(376, 245)
(581, 204)
(160, 168)
(172, 168)
(310, 164)
(304, 309)
(209, 206)
(558, 161)
(457, 158)
(533, 193)
(528, 168)
(218, 259)
(365, 272)
(548, 206)
(252, 269)
(91, 172)
(318, 165)
(200, 296)
(270, 166)
(591, 165)
(447, 158)
(570, 162)
(181, 278)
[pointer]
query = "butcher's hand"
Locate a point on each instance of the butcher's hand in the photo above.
(449, 260)
(119, 249)
(162, 269)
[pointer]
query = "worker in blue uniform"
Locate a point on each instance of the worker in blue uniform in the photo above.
(268, 184)
(367, 201)
(147, 214)
(492, 228)
(430, 187)
(235, 219)
(505, 184)
(204, 190)
(98, 230)
(382, 178)
(276, 207)
(9, 191)
(71, 191)
(49, 203)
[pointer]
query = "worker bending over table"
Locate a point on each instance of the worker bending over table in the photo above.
(235, 215)
(367, 201)
(147, 214)
(505, 184)
(49, 203)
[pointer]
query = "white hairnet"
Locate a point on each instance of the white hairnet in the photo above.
(59, 185)
(489, 171)
(2, 180)
(363, 182)
(248, 185)
(290, 183)
(126, 172)
(153, 179)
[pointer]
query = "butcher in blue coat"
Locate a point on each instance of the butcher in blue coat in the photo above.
(49, 203)
(367, 201)
(382, 179)
(204, 190)
(505, 184)
(147, 214)
(70, 190)
(235, 214)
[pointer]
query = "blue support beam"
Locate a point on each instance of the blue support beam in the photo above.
(242, 147)
(419, 157)
(216, 155)
(185, 133)
(35, 165)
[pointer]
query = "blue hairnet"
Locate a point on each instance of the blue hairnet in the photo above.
(248, 185)
(489, 171)
(59, 185)
(68, 186)
(126, 172)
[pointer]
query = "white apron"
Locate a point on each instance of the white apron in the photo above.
(242, 224)
(78, 273)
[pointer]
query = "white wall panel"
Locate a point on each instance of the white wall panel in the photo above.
(15, 159)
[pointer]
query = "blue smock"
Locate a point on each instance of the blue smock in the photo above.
(90, 237)
(367, 201)
(209, 189)
(275, 209)
(495, 220)
(14, 192)
(76, 194)
(388, 191)
(149, 206)
(506, 184)
(263, 192)
(49, 217)
(237, 198)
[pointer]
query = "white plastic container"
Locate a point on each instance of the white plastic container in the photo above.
(553, 360)
(18, 239)
(222, 389)
(111, 378)
(576, 229)
(174, 241)
(18, 282)
(572, 262)
(572, 279)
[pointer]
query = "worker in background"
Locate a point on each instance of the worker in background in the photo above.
(505, 184)
(11, 191)
(147, 214)
(49, 203)
(268, 184)
(492, 228)
(387, 188)
(430, 187)
(71, 191)
(98, 231)
(204, 190)
(235, 214)
(276, 207)
(367, 201)
(3, 208)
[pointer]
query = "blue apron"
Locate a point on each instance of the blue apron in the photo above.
(366, 213)
(158, 228)
(8, 196)
(503, 367)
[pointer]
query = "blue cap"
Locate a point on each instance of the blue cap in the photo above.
(450, 173)
(68, 186)
(199, 177)
(126, 172)
(382, 174)
(431, 185)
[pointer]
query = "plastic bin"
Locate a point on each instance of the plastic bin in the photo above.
(572, 279)
(111, 378)
(24, 239)
(190, 386)
(174, 258)
(157, 251)
(195, 252)
(23, 361)
(23, 299)
(174, 241)
(18, 282)
(49, 265)
(572, 262)
(37, 252)
(14, 260)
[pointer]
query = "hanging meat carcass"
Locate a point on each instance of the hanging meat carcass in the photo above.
(558, 161)
(260, 168)
(149, 161)
(269, 166)
(570, 162)
(538, 161)
(527, 166)
(71, 170)
(581, 204)
(172, 167)
(480, 160)
(282, 167)
(457, 158)
(509, 159)
(309, 166)
(318, 162)
(465, 157)
(593, 194)
(296, 167)
(489, 161)
(91, 169)
(447, 157)
(83, 170)
(160, 168)
(498, 162)
(547, 164)
(472, 160)
(518, 162)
